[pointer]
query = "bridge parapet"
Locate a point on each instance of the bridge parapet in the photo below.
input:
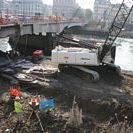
(30, 28)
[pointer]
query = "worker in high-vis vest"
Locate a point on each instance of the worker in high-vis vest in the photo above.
(13, 92)
(18, 109)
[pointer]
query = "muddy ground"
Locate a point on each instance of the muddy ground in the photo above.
(106, 102)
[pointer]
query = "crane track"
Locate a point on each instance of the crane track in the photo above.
(81, 72)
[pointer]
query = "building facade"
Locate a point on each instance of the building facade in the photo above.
(28, 7)
(4, 7)
(101, 9)
(105, 11)
(65, 8)
(47, 10)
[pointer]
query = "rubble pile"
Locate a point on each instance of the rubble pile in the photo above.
(25, 71)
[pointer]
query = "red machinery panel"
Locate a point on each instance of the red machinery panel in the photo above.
(38, 54)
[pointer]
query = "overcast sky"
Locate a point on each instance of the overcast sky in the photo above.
(83, 3)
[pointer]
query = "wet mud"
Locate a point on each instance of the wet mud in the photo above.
(107, 101)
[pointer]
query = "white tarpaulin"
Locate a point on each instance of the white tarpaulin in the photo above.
(4, 44)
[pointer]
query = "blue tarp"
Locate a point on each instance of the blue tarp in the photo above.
(47, 104)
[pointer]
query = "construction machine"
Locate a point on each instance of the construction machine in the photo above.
(95, 55)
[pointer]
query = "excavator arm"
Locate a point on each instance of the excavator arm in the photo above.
(116, 27)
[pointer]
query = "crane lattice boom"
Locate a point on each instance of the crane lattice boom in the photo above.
(116, 27)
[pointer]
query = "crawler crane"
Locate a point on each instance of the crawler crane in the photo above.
(83, 58)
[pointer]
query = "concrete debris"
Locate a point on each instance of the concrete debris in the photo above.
(24, 65)
(26, 71)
